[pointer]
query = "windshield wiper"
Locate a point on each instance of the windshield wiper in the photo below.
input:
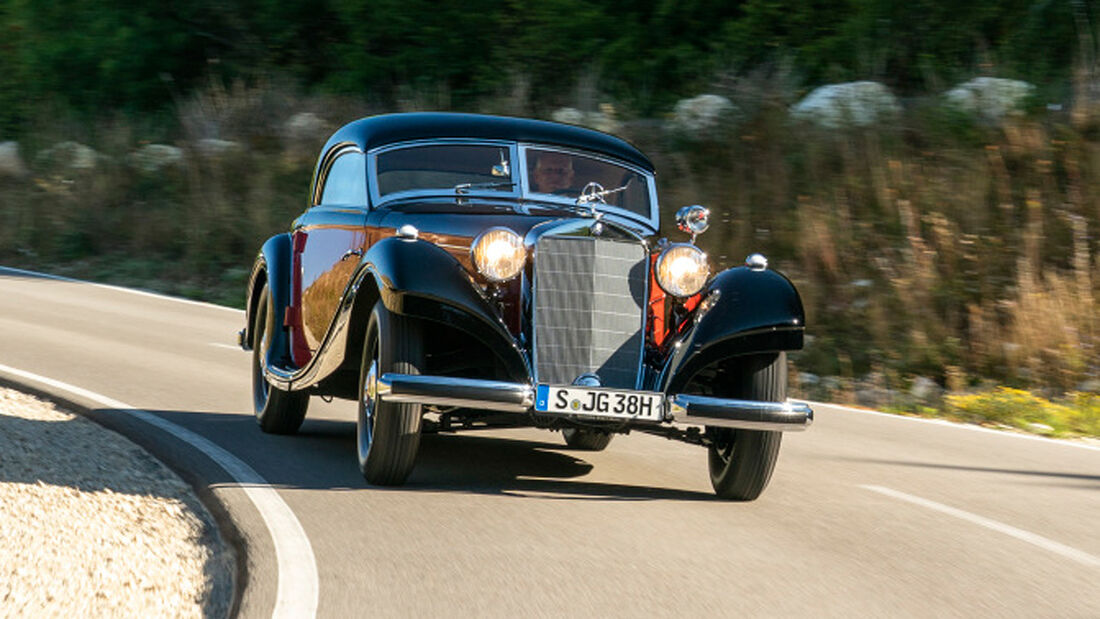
(464, 188)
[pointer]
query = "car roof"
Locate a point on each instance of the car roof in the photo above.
(374, 131)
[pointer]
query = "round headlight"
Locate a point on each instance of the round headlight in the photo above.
(499, 254)
(682, 270)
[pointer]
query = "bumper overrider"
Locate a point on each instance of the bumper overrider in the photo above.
(520, 398)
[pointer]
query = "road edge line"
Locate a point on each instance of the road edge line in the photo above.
(297, 588)
(954, 424)
(144, 293)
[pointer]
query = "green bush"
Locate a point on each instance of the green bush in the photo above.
(1077, 414)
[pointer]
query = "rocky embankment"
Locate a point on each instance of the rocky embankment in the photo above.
(92, 525)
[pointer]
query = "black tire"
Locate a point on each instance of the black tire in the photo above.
(586, 439)
(277, 411)
(388, 434)
(741, 461)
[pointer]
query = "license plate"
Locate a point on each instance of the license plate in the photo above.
(611, 403)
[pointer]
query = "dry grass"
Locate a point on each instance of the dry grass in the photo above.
(933, 247)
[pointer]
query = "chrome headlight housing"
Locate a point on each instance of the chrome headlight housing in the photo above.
(682, 270)
(498, 254)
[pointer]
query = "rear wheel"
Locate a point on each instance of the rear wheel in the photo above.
(586, 439)
(277, 411)
(388, 434)
(741, 461)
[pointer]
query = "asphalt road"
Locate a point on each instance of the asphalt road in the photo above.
(867, 514)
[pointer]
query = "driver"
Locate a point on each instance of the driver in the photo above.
(553, 173)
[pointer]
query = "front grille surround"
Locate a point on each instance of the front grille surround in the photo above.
(589, 310)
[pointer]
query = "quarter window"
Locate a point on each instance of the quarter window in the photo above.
(346, 182)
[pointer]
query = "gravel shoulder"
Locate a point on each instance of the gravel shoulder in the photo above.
(92, 525)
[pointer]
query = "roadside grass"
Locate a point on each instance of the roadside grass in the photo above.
(1075, 414)
(937, 247)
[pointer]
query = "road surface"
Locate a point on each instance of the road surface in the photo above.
(867, 514)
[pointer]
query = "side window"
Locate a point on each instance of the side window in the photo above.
(346, 182)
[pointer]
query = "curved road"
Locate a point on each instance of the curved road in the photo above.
(867, 514)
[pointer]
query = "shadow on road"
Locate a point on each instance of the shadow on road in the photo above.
(322, 456)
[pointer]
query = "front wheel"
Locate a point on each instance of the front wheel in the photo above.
(277, 411)
(741, 461)
(388, 434)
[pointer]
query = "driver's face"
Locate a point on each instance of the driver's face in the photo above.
(553, 172)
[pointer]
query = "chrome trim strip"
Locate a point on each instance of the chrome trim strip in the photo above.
(451, 391)
(740, 414)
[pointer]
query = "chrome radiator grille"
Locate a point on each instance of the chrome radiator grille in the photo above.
(589, 309)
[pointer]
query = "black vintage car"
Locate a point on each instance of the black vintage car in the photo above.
(459, 271)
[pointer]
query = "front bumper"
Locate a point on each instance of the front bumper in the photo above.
(520, 398)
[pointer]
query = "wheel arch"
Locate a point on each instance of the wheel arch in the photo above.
(751, 312)
(418, 279)
(271, 268)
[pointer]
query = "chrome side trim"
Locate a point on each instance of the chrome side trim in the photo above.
(740, 414)
(450, 391)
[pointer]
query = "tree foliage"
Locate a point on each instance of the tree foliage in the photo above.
(119, 54)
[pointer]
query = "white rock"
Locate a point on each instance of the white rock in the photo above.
(697, 115)
(11, 163)
(991, 98)
(1091, 385)
(304, 126)
(603, 120)
(568, 115)
(925, 389)
(848, 104)
(1041, 428)
(153, 157)
(73, 155)
(210, 147)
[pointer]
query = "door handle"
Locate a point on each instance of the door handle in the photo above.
(357, 252)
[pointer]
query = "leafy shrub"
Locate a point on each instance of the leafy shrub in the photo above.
(1078, 413)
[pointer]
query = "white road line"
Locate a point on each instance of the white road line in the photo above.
(297, 590)
(229, 346)
(953, 424)
(1079, 556)
(143, 293)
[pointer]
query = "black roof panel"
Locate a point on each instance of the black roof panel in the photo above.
(368, 133)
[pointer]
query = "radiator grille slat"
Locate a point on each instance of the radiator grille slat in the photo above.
(589, 309)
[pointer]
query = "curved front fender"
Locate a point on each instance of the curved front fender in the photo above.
(751, 312)
(272, 266)
(419, 279)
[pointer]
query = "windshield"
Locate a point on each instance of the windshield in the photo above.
(563, 176)
(549, 175)
(453, 168)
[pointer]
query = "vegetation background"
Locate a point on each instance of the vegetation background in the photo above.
(936, 252)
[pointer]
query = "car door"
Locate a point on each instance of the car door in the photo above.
(328, 238)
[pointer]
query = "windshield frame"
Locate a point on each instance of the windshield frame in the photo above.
(569, 202)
